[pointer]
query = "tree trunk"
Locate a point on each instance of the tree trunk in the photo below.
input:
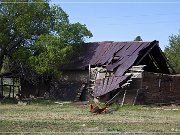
(1, 60)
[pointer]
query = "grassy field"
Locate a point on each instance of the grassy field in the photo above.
(48, 117)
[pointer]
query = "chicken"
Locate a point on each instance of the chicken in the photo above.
(97, 110)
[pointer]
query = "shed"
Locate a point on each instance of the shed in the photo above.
(24, 81)
(108, 70)
(9, 85)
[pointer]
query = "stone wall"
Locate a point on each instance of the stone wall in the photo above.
(66, 87)
(160, 88)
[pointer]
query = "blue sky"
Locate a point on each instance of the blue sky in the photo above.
(119, 20)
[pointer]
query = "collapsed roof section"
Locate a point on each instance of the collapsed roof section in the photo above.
(108, 84)
(118, 57)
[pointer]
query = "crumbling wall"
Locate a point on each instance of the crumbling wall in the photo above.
(134, 87)
(67, 86)
(160, 88)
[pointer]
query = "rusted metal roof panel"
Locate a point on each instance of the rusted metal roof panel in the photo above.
(109, 84)
(107, 50)
(102, 53)
(102, 48)
(108, 54)
(127, 63)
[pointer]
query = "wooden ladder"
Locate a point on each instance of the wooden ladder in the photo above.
(80, 92)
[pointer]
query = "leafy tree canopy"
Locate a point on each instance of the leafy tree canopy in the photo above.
(138, 38)
(172, 51)
(37, 35)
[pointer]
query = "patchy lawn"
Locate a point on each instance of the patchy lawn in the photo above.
(49, 117)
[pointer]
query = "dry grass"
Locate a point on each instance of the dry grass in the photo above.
(68, 118)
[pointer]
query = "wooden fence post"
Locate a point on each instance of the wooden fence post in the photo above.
(2, 86)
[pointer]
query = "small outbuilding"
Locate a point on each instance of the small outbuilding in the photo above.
(25, 82)
(126, 72)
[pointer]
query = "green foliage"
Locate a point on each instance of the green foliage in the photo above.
(172, 51)
(38, 35)
(138, 38)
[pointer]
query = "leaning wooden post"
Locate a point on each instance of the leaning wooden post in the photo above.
(89, 72)
(136, 97)
(124, 97)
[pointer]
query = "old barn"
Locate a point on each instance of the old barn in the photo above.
(125, 72)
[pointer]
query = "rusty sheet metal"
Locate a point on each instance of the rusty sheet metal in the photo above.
(123, 51)
(102, 53)
(111, 67)
(117, 82)
(108, 50)
(126, 65)
(133, 47)
(109, 53)
(141, 46)
(126, 53)
(108, 56)
(105, 83)
(113, 84)
(110, 81)
(118, 63)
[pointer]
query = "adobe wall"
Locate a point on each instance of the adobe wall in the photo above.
(160, 88)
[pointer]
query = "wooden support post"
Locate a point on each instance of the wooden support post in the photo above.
(19, 84)
(2, 86)
(89, 72)
(13, 87)
(109, 102)
(124, 97)
(154, 43)
(136, 97)
(18, 89)
(10, 91)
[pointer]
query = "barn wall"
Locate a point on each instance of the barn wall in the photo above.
(38, 90)
(160, 88)
(131, 93)
(66, 87)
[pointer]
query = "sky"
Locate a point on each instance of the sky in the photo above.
(118, 20)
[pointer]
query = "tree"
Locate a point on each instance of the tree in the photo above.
(138, 38)
(172, 51)
(37, 35)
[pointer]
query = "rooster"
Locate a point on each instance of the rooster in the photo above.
(97, 110)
